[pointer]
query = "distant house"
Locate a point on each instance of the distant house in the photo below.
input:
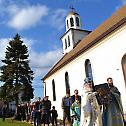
(98, 54)
(12, 104)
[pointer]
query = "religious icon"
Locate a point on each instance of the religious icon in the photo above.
(104, 94)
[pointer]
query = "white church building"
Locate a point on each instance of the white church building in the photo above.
(98, 54)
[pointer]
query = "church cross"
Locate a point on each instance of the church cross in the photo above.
(72, 8)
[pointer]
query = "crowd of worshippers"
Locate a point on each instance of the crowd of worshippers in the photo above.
(98, 105)
(37, 113)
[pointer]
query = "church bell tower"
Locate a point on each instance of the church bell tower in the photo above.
(74, 32)
(73, 21)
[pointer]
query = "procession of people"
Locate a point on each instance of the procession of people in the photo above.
(99, 105)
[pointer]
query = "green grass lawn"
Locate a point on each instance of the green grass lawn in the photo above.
(8, 122)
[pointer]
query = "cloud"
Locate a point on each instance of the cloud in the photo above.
(1, 1)
(42, 62)
(57, 18)
(24, 15)
(23, 18)
(3, 45)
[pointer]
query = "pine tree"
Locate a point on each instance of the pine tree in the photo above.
(16, 73)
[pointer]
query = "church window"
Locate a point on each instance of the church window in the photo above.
(68, 40)
(77, 21)
(67, 81)
(53, 88)
(124, 67)
(67, 24)
(65, 44)
(71, 22)
(88, 69)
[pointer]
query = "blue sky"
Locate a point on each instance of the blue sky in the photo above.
(41, 23)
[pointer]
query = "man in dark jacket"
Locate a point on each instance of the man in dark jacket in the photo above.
(46, 106)
(54, 116)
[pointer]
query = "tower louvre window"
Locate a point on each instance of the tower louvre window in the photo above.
(77, 21)
(65, 44)
(67, 24)
(68, 41)
(71, 22)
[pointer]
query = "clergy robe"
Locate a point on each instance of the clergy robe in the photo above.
(90, 110)
(113, 112)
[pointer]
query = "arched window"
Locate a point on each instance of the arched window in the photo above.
(68, 41)
(67, 81)
(65, 44)
(71, 22)
(45, 88)
(124, 67)
(53, 89)
(77, 21)
(88, 69)
(67, 24)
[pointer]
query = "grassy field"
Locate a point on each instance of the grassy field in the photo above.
(8, 122)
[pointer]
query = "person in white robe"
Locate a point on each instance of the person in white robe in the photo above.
(90, 109)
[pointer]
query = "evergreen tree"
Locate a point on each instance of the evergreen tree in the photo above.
(16, 73)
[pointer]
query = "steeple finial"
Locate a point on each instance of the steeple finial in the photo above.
(72, 8)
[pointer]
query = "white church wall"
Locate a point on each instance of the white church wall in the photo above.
(110, 53)
(105, 60)
(60, 89)
(79, 35)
